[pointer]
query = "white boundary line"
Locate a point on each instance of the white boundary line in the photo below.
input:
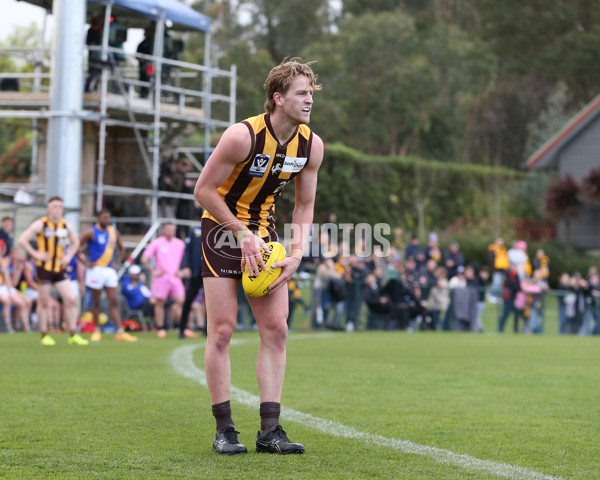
(182, 361)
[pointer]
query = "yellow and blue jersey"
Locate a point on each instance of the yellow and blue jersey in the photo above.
(101, 249)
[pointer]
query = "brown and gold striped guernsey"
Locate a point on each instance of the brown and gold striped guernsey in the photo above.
(255, 184)
(52, 239)
(3, 265)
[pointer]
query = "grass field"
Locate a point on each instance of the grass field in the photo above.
(395, 406)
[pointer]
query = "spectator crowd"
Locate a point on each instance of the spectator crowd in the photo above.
(423, 287)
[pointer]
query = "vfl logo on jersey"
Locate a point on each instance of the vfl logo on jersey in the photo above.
(294, 164)
(259, 165)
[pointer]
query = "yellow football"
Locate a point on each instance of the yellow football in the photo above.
(259, 285)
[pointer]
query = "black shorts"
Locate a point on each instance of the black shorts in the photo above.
(44, 276)
(220, 255)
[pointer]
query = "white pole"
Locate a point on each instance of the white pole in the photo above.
(208, 94)
(158, 52)
(63, 172)
(232, 94)
(103, 108)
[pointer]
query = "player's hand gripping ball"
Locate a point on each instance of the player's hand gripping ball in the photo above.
(259, 285)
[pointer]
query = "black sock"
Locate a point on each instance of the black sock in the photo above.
(222, 413)
(269, 416)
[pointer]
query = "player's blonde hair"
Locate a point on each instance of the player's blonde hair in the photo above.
(281, 77)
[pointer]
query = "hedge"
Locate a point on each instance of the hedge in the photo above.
(377, 189)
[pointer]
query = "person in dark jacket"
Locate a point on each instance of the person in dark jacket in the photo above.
(191, 268)
(146, 47)
(453, 258)
(512, 286)
(94, 39)
(404, 303)
(378, 303)
(414, 250)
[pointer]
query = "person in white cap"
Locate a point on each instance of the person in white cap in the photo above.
(136, 293)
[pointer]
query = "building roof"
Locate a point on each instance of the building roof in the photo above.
(546, 155)
(182, 16)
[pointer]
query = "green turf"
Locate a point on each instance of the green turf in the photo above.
(120, 411)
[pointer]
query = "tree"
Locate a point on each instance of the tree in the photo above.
(360, 7)
(590, 187)
(374, 81)
(557, 39)
(392, 88)
(225, 26)
(455, 12)
(252, 68)
(443, 119)
(285, 27)
(550, 120)
(540, 44)
(255, 35)
(562, 202)
(232, 43)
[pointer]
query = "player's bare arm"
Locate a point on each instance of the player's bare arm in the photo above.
(18, 268)
(85, 238)
(185, 272)
(146, 263)
(28, 275)
(27, 236)
(306, 190)
(233, 148)
(73, 245)
(121, 251)
(81, 278)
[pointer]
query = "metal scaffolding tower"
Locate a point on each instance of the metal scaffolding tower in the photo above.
(179, 104)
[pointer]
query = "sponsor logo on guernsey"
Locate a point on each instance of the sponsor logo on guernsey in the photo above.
(293, 164)
(275, 169)
(259, 165)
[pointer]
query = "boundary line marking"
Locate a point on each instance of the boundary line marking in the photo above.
(182, 361)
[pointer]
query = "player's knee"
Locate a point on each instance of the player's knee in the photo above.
(69, 302)
(112, 303)
(277, 334)
(221, 337)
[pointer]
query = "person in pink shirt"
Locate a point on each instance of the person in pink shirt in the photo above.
(167, 252)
